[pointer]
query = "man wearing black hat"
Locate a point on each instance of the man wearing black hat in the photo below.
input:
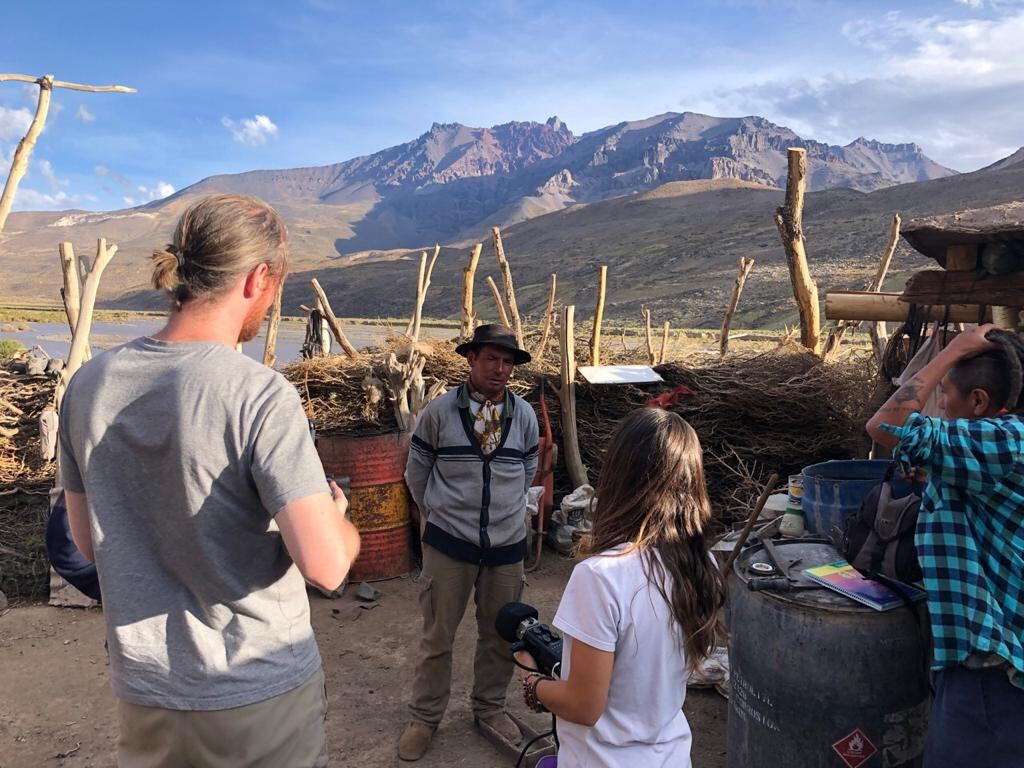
(472, 459)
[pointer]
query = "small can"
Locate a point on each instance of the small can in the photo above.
(796, 492)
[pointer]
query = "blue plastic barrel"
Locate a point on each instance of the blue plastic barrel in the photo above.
(833, 490)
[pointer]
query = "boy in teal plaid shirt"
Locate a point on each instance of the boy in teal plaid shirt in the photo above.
(970, 542)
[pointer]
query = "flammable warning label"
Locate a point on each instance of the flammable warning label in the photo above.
(854, 748)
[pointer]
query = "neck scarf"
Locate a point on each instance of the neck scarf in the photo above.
(487, 422)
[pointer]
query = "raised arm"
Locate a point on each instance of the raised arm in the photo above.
(911, 397)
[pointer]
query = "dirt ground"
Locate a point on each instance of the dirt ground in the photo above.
(56, 707)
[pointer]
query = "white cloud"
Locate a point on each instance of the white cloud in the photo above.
(927, 73)
(31, 200)
(14, 123)
(972, 3)
(85, 114)
(254, 132)
(146, 194)
(46, 168)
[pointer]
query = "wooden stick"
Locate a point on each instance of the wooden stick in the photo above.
(646, 313)
(595, 339)
(498, 302)
(789, 220)
(664, 344)
(332, 321)
(549, 319)
(737, 290)
(878, 330)
(761, 501)
(419, 292)
(510, 292)
(21, 155)
(70, 86)
(468, 277)
(270, 349)
(574, 465)
(423, 293)
(72, 291)
(80, 340)
(863, 305)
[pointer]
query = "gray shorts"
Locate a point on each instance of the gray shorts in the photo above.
(286, 731)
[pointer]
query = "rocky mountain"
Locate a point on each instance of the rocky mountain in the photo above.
(454, 182)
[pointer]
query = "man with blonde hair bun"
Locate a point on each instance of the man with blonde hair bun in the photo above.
(193, 483)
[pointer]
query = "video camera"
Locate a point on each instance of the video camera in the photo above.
(517, 623)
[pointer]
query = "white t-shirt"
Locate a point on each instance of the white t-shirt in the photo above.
(610, 605)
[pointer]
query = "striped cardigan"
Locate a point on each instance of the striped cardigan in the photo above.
(474, 504)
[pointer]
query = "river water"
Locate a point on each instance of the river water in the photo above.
(55, 338)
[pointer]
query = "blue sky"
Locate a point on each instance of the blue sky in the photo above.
(229, 86)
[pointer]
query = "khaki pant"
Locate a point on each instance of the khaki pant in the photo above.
(447, 585)
(286, 731)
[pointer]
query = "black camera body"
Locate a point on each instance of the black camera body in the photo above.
(517, 623)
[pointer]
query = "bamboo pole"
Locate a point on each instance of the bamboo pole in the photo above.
(498, 302)
(332, 321)
(595, 339)
(270, 350)
(646, 314)
(789, 220)
(549, 319)
(737, 290)
(80, 339)
(21, 155)
(510, 292)
(664, 344)
(468, 277)
(574, 465)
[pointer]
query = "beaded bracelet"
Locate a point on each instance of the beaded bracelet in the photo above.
(530, 683)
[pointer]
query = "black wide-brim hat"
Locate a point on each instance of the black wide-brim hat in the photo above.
(497, 336)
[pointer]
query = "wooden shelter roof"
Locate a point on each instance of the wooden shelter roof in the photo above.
(931, 235)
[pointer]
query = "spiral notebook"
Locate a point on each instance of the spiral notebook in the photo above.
(843, 578)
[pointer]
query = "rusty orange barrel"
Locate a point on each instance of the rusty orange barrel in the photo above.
(379, 499)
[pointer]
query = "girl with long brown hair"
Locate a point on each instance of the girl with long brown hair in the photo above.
(641, 610)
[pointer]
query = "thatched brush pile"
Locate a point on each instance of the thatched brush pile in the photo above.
(776, 411)
(25, 480)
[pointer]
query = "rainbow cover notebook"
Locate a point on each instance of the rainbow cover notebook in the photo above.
(843, 578)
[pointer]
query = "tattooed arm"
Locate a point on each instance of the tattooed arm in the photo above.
(911, 397)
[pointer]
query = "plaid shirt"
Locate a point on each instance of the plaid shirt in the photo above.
(970, 533)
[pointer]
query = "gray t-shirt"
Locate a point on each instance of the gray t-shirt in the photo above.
(186, 451)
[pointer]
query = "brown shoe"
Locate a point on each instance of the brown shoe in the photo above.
(503, 725)
(415, 740)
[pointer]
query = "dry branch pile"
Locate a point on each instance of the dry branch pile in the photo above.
(755, 413)
(25, 480)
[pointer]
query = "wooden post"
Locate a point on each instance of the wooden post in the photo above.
(646, 314)
(664, 344)
(549, 319)
(567, 396)
(737, 290)
(510, 292)
(789, 220)
(468, 276)
(498, 302)
(332, 321)
(80, 339)
(595, 339)
(21, 155)
(867, 306)
(270, 350)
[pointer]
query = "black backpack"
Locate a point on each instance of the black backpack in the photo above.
(879, 537)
